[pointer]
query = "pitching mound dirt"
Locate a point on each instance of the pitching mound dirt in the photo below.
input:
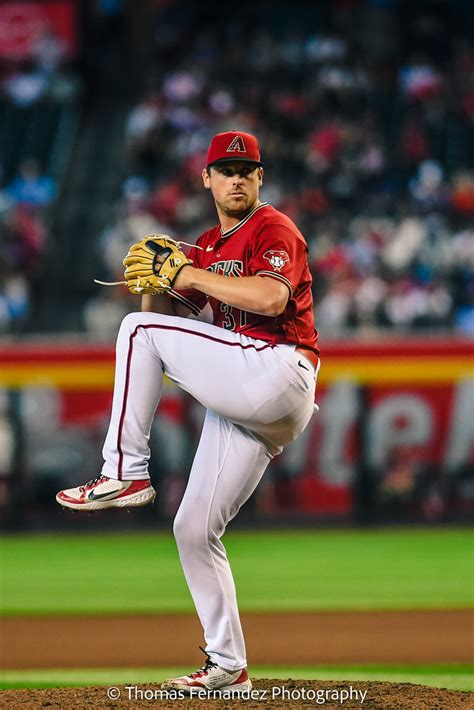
(270, 694)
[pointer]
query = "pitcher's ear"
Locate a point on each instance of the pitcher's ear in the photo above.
(205, 178)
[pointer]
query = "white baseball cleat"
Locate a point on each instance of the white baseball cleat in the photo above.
(211, 677)
(103, 492)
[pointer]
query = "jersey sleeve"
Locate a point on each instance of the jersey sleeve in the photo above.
(279, 253)
(190, 297)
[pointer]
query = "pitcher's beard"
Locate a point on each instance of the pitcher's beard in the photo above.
(236, 214)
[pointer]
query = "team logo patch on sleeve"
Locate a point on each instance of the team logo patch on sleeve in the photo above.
(277, 258)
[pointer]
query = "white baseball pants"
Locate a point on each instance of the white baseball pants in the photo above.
(258, 398)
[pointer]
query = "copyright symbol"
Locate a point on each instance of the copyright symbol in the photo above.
(113, 693)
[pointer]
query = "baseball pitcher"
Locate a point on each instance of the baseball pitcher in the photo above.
(254, 369)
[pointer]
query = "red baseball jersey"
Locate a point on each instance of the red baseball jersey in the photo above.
(264, 243)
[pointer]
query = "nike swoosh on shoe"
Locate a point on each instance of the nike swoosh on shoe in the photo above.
(98, 496)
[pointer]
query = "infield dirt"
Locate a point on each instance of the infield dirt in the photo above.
(282, 639)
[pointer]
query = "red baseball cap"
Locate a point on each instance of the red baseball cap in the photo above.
(232, 146)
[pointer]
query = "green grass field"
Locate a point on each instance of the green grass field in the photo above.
(303, 570)
(457, 677)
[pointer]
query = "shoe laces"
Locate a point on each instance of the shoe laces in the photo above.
(206, 667)
(93, 482)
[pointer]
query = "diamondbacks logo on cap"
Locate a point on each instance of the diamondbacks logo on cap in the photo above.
(236, 145)
(277, 258)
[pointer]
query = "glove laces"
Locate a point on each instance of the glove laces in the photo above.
(124, 283)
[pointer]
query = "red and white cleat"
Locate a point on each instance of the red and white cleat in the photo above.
(211, 677)
(103, 492)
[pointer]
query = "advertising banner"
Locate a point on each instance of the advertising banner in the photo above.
(399, 417)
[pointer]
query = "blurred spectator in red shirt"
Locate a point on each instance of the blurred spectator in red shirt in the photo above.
(463, 192)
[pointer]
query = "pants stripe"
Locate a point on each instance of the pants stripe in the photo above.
(129, 362)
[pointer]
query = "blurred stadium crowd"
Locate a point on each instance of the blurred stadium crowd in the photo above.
(36, 92)
(365, 114)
